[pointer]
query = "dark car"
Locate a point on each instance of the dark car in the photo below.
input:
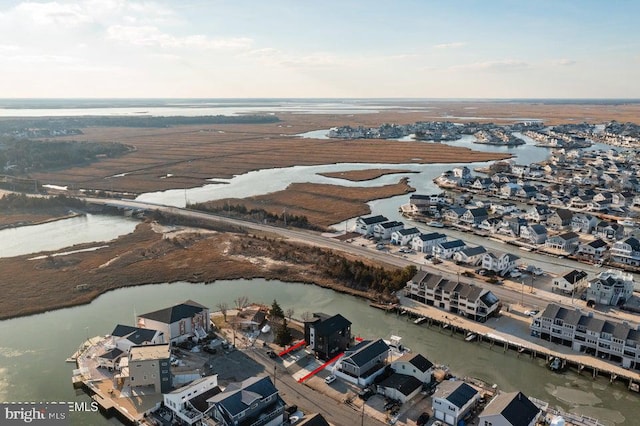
(423, 419)
(271, 354)
(365, 394)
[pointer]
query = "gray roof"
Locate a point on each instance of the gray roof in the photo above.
(391, 224)
(175, 313)
(474, 251)
(417, 360)
(574, 276)
(409, 231)
(597, 243)
(538, 229)
(452, 244)
(515, 407)
(365, 351)
(112, 354)
(431, 236)
(238, 397)
(134, 334)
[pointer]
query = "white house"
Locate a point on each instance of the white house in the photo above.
(364, 225)
(509, 409)
(610, 287)
(179, 322)
(593, 250)
(535, 234)
(363, 362)
(384, 230)
(567, 242)
(188, 404)
(446, 249)
(124, 337)
(400, 387)
(470, 255)
(500, 264)
(424, 243)
(626, 251)
(414, 364)
(453, 400)
(570, 282)
(403, 237)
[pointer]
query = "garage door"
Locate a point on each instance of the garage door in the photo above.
(449, 419)
(439, 414)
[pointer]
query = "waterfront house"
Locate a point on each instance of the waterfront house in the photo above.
(510, 409)
(424, 243)
(539, 213)
(188, 404)
(403, 237)
(571, 282)
(535, 234)
(502, 264)
(446, 249)
(110, 358)
(559, 219)
(463, 173)
(566, 242)
(470, 255)
(593, 250)
(515, 224)
(527, 192)
(458, 297)
(626, 251)
(124, 337)
(509, 189)
(415, 365)
(254, 401)
(148, 365)
(584, 222)
(491, 224)
(609, 230)
(364, 225)
(617, 341)
(481, 183)
(581, 202)
(188, 320)
(474, 216)
(520, 170)
(454, 214)
(327, 335)
(453, 400)
(384, 230)
(363, 362)
(399, 387)
(611, 287)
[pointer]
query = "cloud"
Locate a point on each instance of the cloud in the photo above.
(502, 65)
(8, 48)
(53, 13)
(453, 45)
(564, 62)
(148, 35)
(271, 56)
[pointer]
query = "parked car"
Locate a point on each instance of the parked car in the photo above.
(330, 379)
(271, 354)
(365, 394)
(423, 419)
(515, 274)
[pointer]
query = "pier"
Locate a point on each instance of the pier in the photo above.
(479, 333)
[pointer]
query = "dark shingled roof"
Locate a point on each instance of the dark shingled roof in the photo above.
(237, 397)
(327, 326)
(403, 383)
(134, 334)
(452, 244)
(112, 354)
(366, 350)
(417, 360)
(575, 276)
(457, 392)
(597, 243)
(200, 402)
(515, 407)
(314, 420)
(175, 313)
(373, 219)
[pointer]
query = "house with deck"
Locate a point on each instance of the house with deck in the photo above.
(570, 282)
(593, 250)
(566, 242)
(363, 362)
(453, 400)
(254, 401)
(188, 404)
(470, 255)
(610, 287)
(626, 251)
(510, 409)
(364, 225)
(560, 219)
(384, 230)
(424, 243)
(460, 298)
(446, 249)
(502, 264)
(188, 320)
(148, 366)
(327, 335)
(403, 237)
(534, 233)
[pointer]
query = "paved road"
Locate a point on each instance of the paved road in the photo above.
(309, 399)
(504, 293)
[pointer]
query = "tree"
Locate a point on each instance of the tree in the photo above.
(223, 307)
(283, 334)
(241, 302)
(306, 316)
(290, 313)
(276, 311)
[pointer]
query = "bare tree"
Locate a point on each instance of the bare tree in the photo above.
(306, 316)
(290, 313)
(241, 302)
(223, 307)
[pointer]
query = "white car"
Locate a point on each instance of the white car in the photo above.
(330, 379)
(515, 274)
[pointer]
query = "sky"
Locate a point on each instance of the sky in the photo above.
(321, 49)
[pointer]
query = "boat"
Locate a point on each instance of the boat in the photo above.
(555, 364)
(395, 345)
(420, 320)
(265, 329)
(435, 224)
(627, 221)
(470, 337)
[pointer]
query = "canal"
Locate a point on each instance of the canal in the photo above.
(33, 349)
